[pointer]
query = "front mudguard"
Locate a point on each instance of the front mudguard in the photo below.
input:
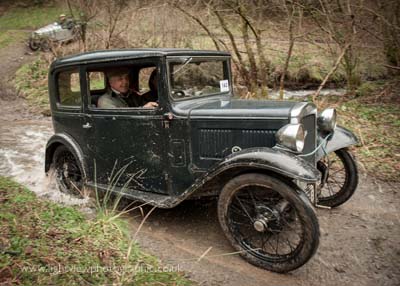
(341, 138)
(259, 160)
(273, 160)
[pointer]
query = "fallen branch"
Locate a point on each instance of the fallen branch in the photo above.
(392, 67)
(333, 69)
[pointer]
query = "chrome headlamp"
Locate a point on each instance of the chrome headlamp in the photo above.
(291, 136)
(327, 120)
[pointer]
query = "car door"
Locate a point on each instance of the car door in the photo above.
(127, 148)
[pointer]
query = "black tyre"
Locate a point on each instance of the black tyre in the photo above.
(339, 178)
(68, 172)
(34, 45)
(45, 45)
(272, 224)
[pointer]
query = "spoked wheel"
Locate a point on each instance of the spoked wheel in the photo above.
(339, 178)
(68, 172)
(45, 45)
(34, 45)
(271, 224)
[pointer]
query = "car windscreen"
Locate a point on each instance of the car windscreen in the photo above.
(190, 77)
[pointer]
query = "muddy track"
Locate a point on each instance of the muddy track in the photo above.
(360, 241)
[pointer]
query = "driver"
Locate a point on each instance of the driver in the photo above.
(119, 95)
(66, 23)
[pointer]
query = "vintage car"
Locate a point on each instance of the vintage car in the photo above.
(268, 163)
(53, 33)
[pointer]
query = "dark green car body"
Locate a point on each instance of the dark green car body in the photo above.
(187, 147)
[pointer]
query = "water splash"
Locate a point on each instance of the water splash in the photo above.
(22, 151)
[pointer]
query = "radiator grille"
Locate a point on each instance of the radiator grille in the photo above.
(309, 123)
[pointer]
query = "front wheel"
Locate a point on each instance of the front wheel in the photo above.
(268, 221)
(339, 178)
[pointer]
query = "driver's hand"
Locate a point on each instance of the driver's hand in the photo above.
(150, 104)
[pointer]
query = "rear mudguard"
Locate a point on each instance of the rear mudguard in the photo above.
(69, 142)
(342, 138)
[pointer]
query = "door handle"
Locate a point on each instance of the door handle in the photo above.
(167, 119)
(87, 125)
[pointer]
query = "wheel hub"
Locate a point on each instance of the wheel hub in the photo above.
(265, 217)
(260, 225)
(65, 170)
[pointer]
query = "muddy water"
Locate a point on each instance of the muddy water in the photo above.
(22, 150)
(300, 94)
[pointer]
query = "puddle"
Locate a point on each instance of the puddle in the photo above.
(300, 94)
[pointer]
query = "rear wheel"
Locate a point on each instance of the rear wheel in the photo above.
(339, 178)
(69, 175)
(271, 224)
(45, 45)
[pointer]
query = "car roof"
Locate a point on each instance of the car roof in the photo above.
(123, 54)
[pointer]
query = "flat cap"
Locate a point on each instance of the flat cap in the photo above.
(117, 72)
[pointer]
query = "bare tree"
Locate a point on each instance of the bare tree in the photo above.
(294, 14)
(387, 16)
(246, 44)
(113, 13)
(87, 10)
(108, 14)
(337, 20)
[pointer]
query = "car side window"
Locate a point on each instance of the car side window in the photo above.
(131, 86)
(97, 86)
(144, 79)
(69, 91)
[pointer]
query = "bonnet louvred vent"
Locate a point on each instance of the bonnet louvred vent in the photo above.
(218, 143)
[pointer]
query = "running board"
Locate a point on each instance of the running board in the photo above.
(153, 199)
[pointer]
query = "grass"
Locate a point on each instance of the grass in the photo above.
(30, 18)
(43, 243)
(11, 36)
(376, 123)
(31, 81)
(378, 128)
(15, 22)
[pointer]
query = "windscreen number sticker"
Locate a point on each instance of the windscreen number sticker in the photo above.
(224, 85)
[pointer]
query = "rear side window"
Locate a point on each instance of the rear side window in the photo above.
(69, 91)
